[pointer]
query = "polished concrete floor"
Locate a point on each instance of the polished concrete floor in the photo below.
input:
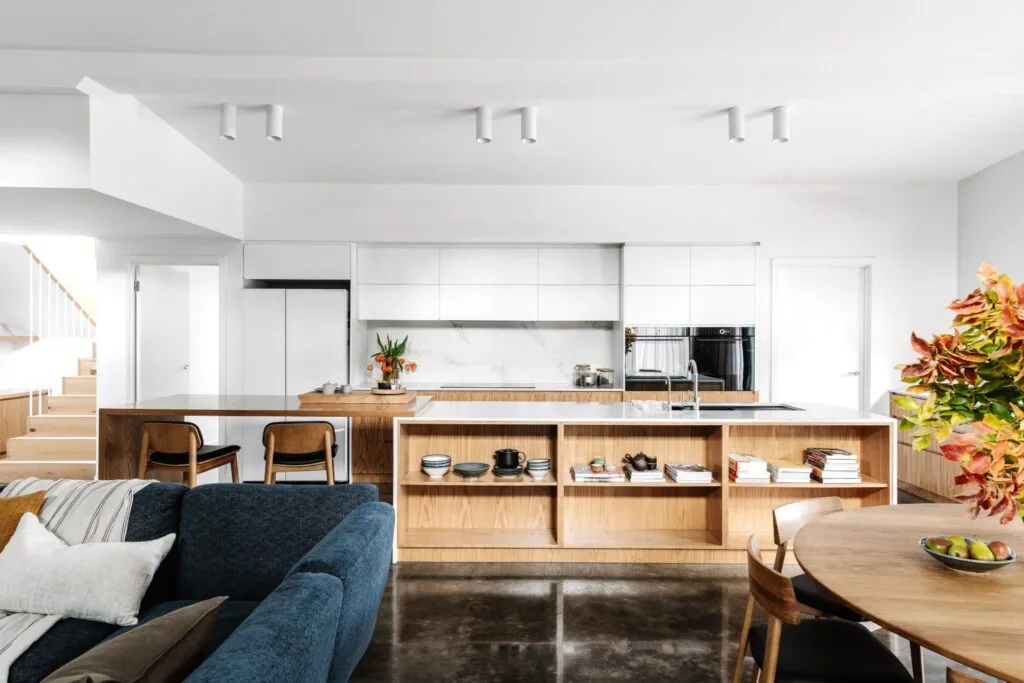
(541, 622)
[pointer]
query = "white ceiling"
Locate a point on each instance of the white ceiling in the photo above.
(629, 91)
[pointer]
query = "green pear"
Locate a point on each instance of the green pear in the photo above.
(937, 544)
(959, 551)
(980, 551)
(957, 540)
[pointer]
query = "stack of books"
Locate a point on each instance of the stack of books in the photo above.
(833, 465)
(748, 469)
(611, 474)
(645, 476)
(786, 472)
(689, 474)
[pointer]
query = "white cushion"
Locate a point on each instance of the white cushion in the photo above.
(42, 574)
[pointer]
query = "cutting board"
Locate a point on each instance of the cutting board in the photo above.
(358, 396)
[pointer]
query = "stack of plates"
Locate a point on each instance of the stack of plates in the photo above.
(508, 471)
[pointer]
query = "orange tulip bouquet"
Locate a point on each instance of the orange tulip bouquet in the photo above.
(974, 376)
(390, 358)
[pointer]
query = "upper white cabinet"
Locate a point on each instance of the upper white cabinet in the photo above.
(398, 302)
(296, 261)
(656, 265)
(579, 266)
(723, 265)
(578, 302)
(488, 302)
(657, 304)
(398, 265)
(488, 266)
(730, 305)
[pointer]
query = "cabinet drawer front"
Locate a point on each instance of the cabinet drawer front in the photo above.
(580, 265)
(657, 305)
(398, 302)
(724, 305)
(488, 266)
(723, 265)
(398, 265)
(578, 302)
(488, 302)
(296, 261)
(656, 265)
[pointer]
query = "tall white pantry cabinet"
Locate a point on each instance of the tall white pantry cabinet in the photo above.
(294, 341)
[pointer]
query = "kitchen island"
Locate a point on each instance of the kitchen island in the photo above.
(557, 519)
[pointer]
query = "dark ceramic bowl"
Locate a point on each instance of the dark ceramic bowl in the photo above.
(966, 564)
(471, 469)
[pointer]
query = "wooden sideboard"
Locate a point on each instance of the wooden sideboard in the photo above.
(14, 412)
(926, 474)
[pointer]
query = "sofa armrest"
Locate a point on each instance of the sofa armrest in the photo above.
(289, 637)
(358, 552)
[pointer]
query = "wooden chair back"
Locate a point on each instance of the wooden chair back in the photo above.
(171, 437)
(960, 677)
(789, 519)
(770, 589)
(299, 437)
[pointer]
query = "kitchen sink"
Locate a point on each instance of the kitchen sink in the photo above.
(739, 406)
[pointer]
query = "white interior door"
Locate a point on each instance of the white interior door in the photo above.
(162, 332)
(819, 334)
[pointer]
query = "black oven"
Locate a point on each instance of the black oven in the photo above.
(724, 356)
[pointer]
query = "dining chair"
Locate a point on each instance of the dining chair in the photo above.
(788, 650)
(961, 677)
(180, 446)
(299, 447)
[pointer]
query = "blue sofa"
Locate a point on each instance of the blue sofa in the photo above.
(304, 568)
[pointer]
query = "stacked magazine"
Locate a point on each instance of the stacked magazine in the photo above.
(748, 469)
(833, 465)
(786, 472)
(645, 475)
(689, 474)
(611, 474)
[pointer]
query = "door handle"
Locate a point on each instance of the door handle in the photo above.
(854, 373)
(185, 368)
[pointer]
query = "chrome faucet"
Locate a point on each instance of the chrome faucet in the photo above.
(691, 368)
(668, 381)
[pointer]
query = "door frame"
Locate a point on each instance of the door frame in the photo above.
(866, 263)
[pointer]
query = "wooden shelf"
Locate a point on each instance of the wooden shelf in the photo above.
(479, 538)
(641, 538)
(866, 483)
(488, 479)
(668, 483)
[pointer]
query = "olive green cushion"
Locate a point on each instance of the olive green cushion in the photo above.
(168, 648)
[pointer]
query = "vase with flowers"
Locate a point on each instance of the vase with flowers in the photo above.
(390, 359)
(973, 378)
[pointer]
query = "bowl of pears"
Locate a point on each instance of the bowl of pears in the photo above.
(968, 554)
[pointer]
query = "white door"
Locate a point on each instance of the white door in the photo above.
(819, 334)
(161, 332)
(263, 367)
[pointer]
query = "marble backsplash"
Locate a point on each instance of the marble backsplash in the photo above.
(543, 353)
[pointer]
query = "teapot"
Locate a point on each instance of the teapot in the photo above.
(642, 462)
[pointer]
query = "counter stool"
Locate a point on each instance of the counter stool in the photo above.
(786, 649)
(179, 446)
(299, 447)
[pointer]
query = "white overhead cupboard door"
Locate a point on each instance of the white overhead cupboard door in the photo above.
(399, 302)
(296, 261)
(579, 265)
(488, 302)
(657, 305)
(656, 265)
(722, 305)
(723, 265)
(398, 265)
(578, 302)
(488, 266)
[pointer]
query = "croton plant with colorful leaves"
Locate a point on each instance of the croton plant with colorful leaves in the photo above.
(974, 376)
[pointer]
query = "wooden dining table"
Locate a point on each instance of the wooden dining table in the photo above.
(871, 559)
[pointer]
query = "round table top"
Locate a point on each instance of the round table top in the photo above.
(871, 559)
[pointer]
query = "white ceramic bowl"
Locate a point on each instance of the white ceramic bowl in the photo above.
(538, 474)
(436, 471)
(436, 459)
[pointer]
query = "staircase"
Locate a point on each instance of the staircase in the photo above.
(61, 441)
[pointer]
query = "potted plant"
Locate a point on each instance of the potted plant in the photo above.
(975, 376)
(390, 357)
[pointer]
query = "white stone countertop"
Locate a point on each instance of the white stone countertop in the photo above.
(653, 412)
(537, 386)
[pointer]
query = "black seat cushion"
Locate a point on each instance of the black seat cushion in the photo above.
(67, 639)
(829, 651)
(310, 458)
(204, 453)
(811, 593)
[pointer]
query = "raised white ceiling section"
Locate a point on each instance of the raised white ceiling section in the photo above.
(44, 141)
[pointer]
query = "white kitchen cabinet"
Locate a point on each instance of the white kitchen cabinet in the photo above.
(723, 265)
(263, 367)
(296, 261)
(398, 302)
(731, 305)
(656, 265)
(657, 305)
(488, 302)
(488, 266)
(579, 265)
(398, 265)
(578, 302)
(316, 338)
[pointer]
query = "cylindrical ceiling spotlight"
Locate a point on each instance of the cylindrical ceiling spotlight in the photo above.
(228, 121)
(483, 125)
(528, 127)
(275, 122)
(737, 125)
(780, 124)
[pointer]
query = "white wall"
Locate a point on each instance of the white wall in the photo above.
(909, 229)
(991, 222)
(44, 141)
